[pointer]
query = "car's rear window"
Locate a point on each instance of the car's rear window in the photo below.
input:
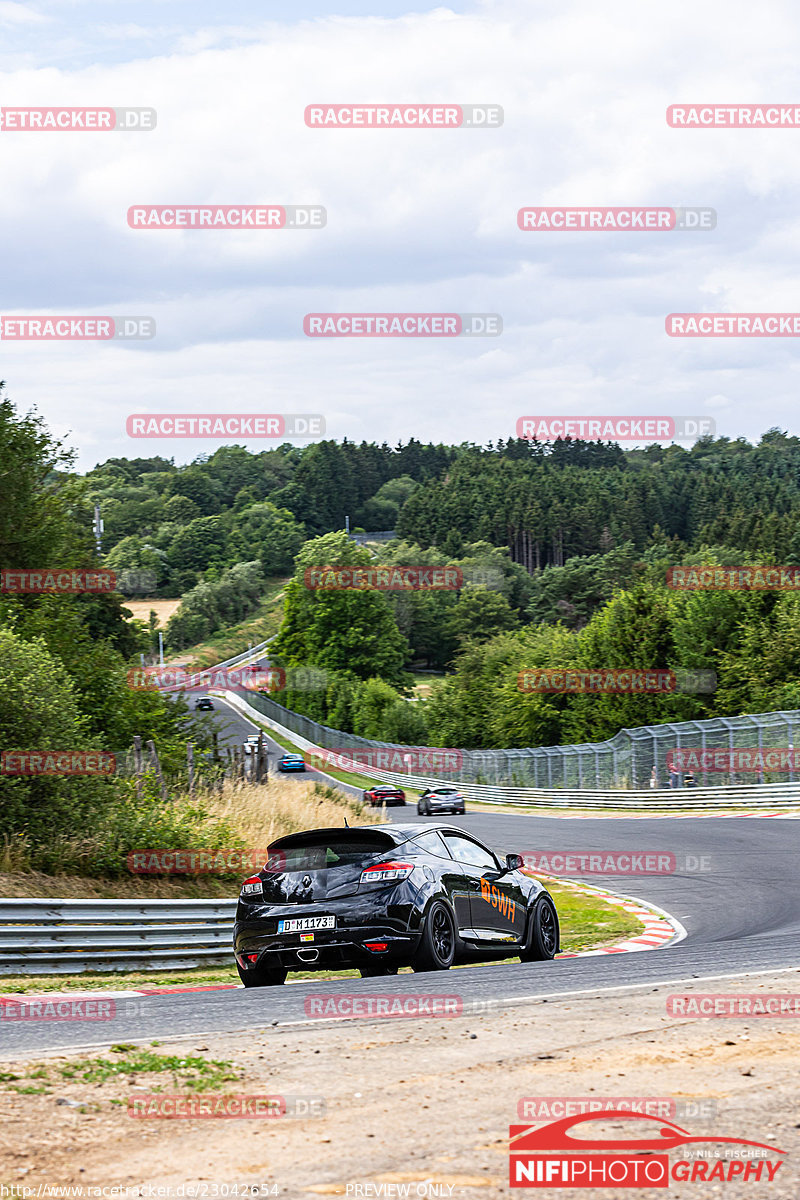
(331, 848)
(431, 843)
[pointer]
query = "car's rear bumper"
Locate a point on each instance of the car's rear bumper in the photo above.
(397, 922)
(321, 956)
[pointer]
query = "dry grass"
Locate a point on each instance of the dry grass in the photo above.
(261, 814)
(35, 885)
(251, 815)
(13, 854)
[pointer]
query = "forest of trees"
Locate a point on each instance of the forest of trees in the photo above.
(563, 549)
(64, 658)
(182, 523)
(612, 610)
(545, 503)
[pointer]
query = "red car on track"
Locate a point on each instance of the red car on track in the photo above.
(384, 793)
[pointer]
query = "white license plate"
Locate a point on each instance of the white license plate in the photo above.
(301, 924)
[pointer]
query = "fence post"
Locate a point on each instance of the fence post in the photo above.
(190, 766)
(151, 746)
(791, 749)
(137, 764)
(262, 772)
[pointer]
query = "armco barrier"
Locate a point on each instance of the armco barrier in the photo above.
(624, 762)
(43, 941)
(255, 652)
(757, 797)
(55, 937)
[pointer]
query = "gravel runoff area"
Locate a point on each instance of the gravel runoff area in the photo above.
(425, 1101)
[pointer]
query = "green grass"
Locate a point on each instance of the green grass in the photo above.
(190, 1073)
(123, 980)
(428, 679)
(587, 922)
(235, 639)
(362, 781)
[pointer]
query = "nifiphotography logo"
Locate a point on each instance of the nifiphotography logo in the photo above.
(567, 1154)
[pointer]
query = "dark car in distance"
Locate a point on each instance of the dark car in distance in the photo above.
(440, 800)
(384, 793)
(204, 703)
(378, 898)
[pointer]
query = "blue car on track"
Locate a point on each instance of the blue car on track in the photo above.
(291, 762)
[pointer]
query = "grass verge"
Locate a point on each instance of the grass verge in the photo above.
(243, 816)
(131, 1063)
(235, 639)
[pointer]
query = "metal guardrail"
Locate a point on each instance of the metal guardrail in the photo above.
(238, 660)
(381, 535)
(55, 937)
(623, 762)
(767, 796)
(247, 654)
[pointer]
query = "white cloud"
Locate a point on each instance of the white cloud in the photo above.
(19, 14)
(416, 222)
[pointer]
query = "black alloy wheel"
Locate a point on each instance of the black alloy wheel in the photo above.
(543, 939)
(437, 949)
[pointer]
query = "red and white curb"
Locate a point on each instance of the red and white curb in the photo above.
(660, 929)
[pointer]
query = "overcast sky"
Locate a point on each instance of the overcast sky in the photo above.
(418, 221)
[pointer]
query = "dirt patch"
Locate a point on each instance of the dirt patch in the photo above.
(141, 609)
(414, 1100)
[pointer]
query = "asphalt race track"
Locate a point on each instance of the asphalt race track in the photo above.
(234, 730)
(741, 913)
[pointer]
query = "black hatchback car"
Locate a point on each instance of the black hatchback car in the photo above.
(379, 898)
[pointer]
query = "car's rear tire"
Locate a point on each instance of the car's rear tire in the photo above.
(543, 933)
(262, 976)
(437, 949)
(376, 969)
(423, 808)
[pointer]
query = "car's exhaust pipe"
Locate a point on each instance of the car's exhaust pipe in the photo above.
(308, 955)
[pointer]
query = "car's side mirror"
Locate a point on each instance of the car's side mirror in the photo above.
(513, 862)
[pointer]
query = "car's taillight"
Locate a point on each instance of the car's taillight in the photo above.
(252, 886)
(387, 872)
